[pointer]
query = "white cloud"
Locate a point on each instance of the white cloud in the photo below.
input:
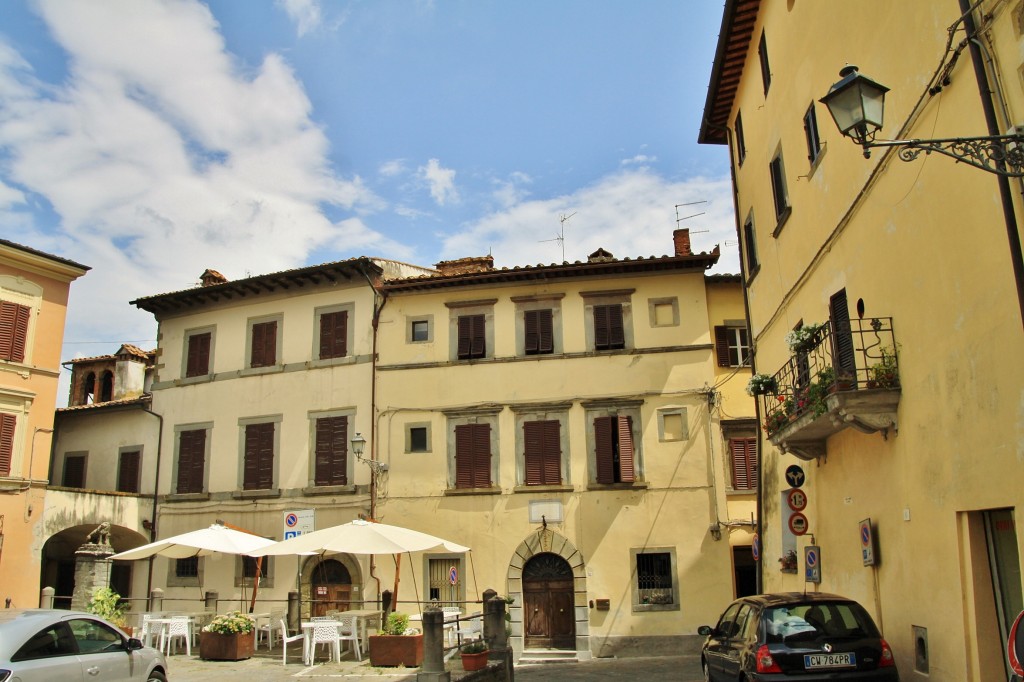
(393, 168)
(305, 14)
(441, 182)
(162, 156)
(631, 214)
(639, 160)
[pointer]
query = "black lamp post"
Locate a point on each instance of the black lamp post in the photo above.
(857, 104)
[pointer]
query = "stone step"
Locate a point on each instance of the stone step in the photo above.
(538, 656)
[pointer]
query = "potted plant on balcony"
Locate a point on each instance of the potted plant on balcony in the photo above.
(474, 655)
(228, 637)
(805, 338)
(761, 384)
(106, 603)
(788, 561)
(885, 373)
(397, 644)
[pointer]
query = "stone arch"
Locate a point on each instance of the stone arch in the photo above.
(57, 565)
(547, 541)
(309, 566)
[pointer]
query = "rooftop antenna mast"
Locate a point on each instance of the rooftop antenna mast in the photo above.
(692, 203)
(561, 232)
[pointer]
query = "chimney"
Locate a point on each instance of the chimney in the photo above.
(211, 277)
(465, 266)
(681, 238)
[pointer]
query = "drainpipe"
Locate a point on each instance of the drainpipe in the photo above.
(375, 323)
(985, 93)
(156, 491)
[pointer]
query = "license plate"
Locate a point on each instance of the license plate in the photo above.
(830, 660)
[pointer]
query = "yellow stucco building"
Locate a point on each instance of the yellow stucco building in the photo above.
(584, 427)
(903, 410)
(34, 288)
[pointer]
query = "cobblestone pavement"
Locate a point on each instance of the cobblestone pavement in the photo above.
(263, 668)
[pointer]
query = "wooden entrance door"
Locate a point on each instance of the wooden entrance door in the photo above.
(549, 620)
(332, 587)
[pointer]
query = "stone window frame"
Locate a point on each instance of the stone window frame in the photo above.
(408, 437)
(186, 581)
(457, 309)
(274, 490)
(278, 347)
(186, 339)
(609, 408)
(318, 312)
(552, 302)
(412, 320)
(637, 606)
(266, 571)
(622, 297)
(668, 411)
(313, 416)
(480, 416)
(178, 429)
(549, 411)
(652, 309)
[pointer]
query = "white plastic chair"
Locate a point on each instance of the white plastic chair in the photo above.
(149, 629)
(472, 628)
(348, 631)
(287, 639)
(269, 630)
(179, 626)
(325, 632)
(451, 621)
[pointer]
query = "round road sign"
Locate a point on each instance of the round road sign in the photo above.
(797, 523)
(795, 475)
(797, 499)
(755, 547)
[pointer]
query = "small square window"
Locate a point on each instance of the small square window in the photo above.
(672, 424)
(419, 330)
(187, 567)
(418, 439)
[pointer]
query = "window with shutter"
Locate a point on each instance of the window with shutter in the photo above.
(542, 452)
(258, 466)
(843, 352)
(8, 424)
(732, 347)
(198, 361)
(334, 334)
(473, 456)
(14, 320)
(264, 344)
(74, 471)
(331, 465)
(191, 461)
(472, 337)
(614, 450)
(128, 471)
(609, 333)
(539, 333)
(744, 463)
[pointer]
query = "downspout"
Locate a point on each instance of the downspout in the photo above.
(1005, 196)
(759, 505)
(156, 490)
(375, 322)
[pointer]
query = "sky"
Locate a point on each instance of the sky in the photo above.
(153, 139)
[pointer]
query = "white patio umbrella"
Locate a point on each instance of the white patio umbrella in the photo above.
(364, 537)
(202, 542)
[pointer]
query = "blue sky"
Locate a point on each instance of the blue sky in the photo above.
(154, 139)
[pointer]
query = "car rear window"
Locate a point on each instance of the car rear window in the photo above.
(811, 621)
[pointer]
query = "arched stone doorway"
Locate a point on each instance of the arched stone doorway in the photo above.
(58, 561)
(548, 584)
(330, 584)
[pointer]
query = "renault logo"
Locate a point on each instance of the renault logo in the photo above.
(827, 648)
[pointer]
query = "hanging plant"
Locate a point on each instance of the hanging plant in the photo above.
(761, 384)
(804, 338)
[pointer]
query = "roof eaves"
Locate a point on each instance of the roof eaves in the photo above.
(738, 20)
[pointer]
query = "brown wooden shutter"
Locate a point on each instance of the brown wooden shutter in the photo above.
(331, 451)
(539, 332)
(542, 453)
(258, 467)
(8, 423)
(744, 463)
(198, 363)
(473, 456)
(74, 471)
(334, 334)
(604, 441)
(844, 357)
(128, 472)
(472, 337)
(531, 342)
(609, 330)
(191, 461)
(627, 466)
(264, 344)
(722, 346)
(13, 331)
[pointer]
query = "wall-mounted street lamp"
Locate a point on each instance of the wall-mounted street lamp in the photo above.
(857, 105)
(358, 444)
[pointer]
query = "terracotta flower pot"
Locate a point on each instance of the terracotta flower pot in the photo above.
(471, 662)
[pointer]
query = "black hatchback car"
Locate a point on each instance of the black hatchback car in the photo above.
(795, 636)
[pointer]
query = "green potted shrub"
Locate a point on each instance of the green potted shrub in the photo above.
(396, 644)
(107, 604)
(885, 373)
(228, 637)
(474, 655)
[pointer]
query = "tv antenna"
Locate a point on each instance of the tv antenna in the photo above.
(561, 232)
(692, 203)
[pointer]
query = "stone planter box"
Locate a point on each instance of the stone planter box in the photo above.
(396, 650)
(214, 646)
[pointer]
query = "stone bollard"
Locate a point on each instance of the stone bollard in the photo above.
(46, 598)
(294, 613)
(432, 669)
(495, 634)
(156, 600)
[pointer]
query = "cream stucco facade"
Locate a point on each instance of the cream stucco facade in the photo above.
(910, 257)
(34, 289)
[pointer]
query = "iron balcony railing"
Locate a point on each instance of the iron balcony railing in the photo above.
(853, 355)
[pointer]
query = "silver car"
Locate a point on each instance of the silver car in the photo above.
(52, 644)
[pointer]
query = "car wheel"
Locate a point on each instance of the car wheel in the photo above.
(707, 674)
(156, 676)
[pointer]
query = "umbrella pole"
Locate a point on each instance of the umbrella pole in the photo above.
(398, 572)
(255, 583)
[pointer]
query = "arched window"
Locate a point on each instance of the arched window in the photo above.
(88, 388)
(107, 387)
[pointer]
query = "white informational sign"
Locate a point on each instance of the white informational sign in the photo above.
(298, 522)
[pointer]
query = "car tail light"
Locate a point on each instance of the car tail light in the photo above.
(765, 662)
(887, 658)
